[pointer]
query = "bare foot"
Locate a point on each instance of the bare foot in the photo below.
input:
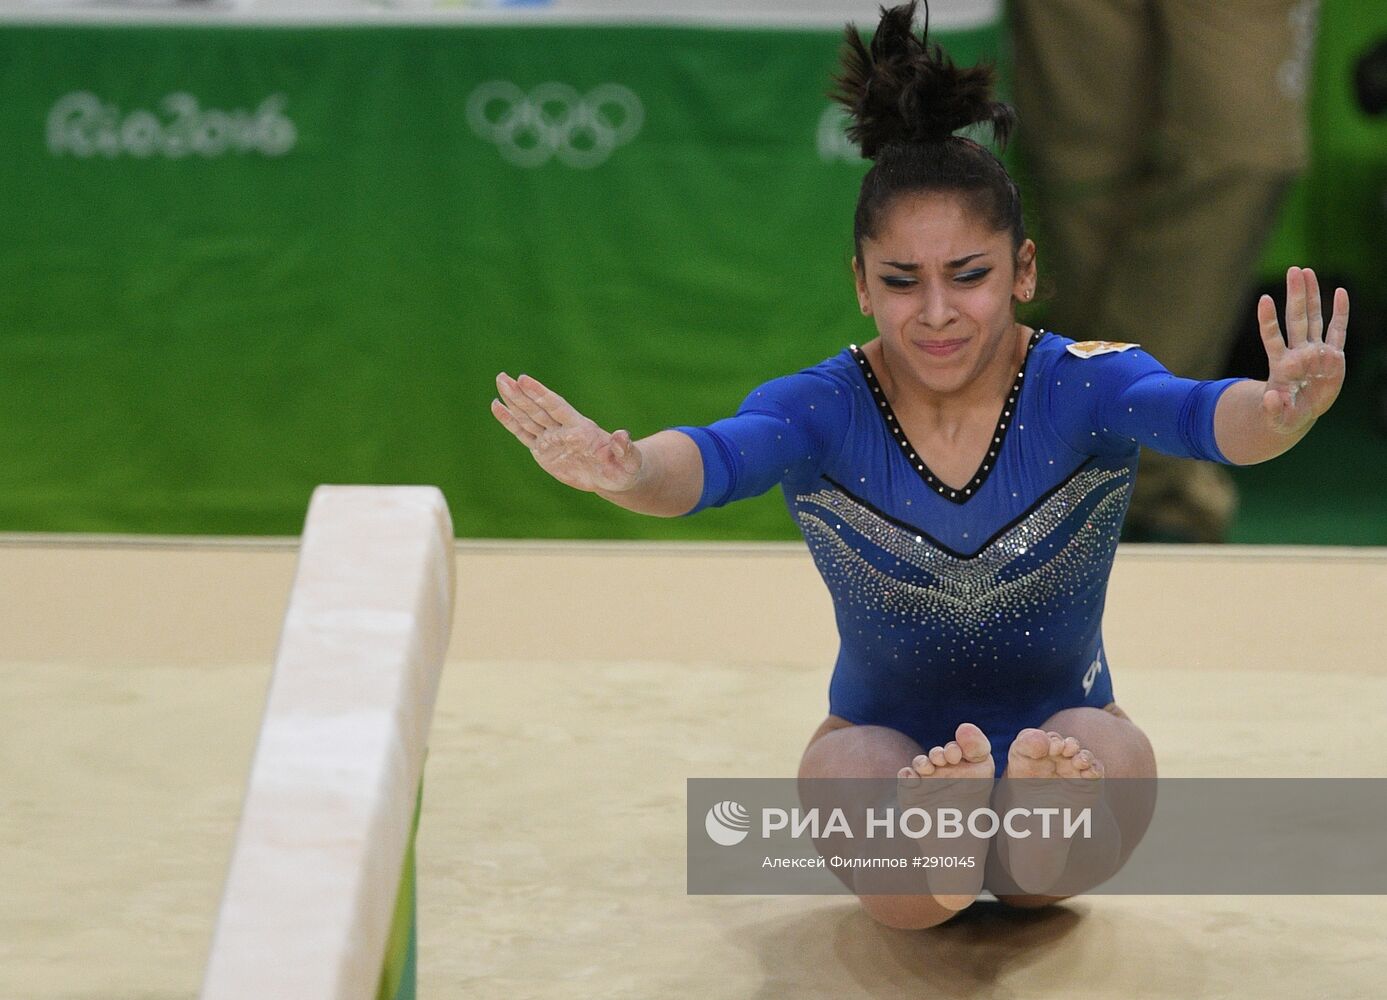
(957, 775)
(1037, 860)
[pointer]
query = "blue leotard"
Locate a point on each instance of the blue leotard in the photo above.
(981, 603)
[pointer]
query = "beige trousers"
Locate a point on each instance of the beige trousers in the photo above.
(1161, 136)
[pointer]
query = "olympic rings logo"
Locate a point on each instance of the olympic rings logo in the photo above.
(554, 120)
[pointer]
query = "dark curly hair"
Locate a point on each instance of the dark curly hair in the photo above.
(907, 99)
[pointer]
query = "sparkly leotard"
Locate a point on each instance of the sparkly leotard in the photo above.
(981, 603)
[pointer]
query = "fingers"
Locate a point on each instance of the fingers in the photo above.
(1338, 323)
(499, 411)
(1304, 315)
(1312, 356)
(519, 398)
(555, 407)
(523, 409)
(1297, 320)
(1315, 319)
(1270, 329)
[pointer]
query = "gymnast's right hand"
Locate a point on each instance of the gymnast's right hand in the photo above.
(566, 444)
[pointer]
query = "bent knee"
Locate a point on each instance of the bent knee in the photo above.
(1112, 709)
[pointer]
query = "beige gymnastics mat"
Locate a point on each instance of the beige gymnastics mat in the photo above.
(586, 684)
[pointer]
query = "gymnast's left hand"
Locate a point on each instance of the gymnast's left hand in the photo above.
(1306, 370)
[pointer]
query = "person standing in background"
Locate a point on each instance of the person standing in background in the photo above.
(1161, 136)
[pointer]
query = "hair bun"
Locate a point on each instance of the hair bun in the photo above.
(906, 90)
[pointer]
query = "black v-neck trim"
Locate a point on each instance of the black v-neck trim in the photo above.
(965, 493)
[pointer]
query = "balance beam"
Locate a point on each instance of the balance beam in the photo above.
(326, 823)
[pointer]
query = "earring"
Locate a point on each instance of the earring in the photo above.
(1028, 295)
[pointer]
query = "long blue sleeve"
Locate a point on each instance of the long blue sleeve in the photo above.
(1103, 405)
(784, 431)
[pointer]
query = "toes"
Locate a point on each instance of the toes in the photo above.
(1066, 754)
(951, 753)
(922, 766)
(1086, 765)
(908, 777)
(1032, 743)
(1056, 744)
(972, 743)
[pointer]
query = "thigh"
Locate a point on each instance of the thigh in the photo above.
(1088, 115)
(1237, 77)
(1086, 84)
(1189, 250)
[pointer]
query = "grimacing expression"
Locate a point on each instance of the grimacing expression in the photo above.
(941, 286)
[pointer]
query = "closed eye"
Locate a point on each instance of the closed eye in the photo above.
(897, 281)
(977, 274)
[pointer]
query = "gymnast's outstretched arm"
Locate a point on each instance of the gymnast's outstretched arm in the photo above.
(660, 475)
(1135, 400)
(1256, 421)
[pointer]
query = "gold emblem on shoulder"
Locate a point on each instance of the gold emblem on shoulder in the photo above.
(1093, 348)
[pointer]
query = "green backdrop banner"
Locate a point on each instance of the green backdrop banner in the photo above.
(236, 261)
(241, 261)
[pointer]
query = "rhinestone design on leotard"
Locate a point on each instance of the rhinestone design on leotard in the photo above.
(1025, 568)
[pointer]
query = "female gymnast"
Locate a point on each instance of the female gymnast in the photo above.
(960, 478)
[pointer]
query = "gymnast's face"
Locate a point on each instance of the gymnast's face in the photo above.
(942, 286)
